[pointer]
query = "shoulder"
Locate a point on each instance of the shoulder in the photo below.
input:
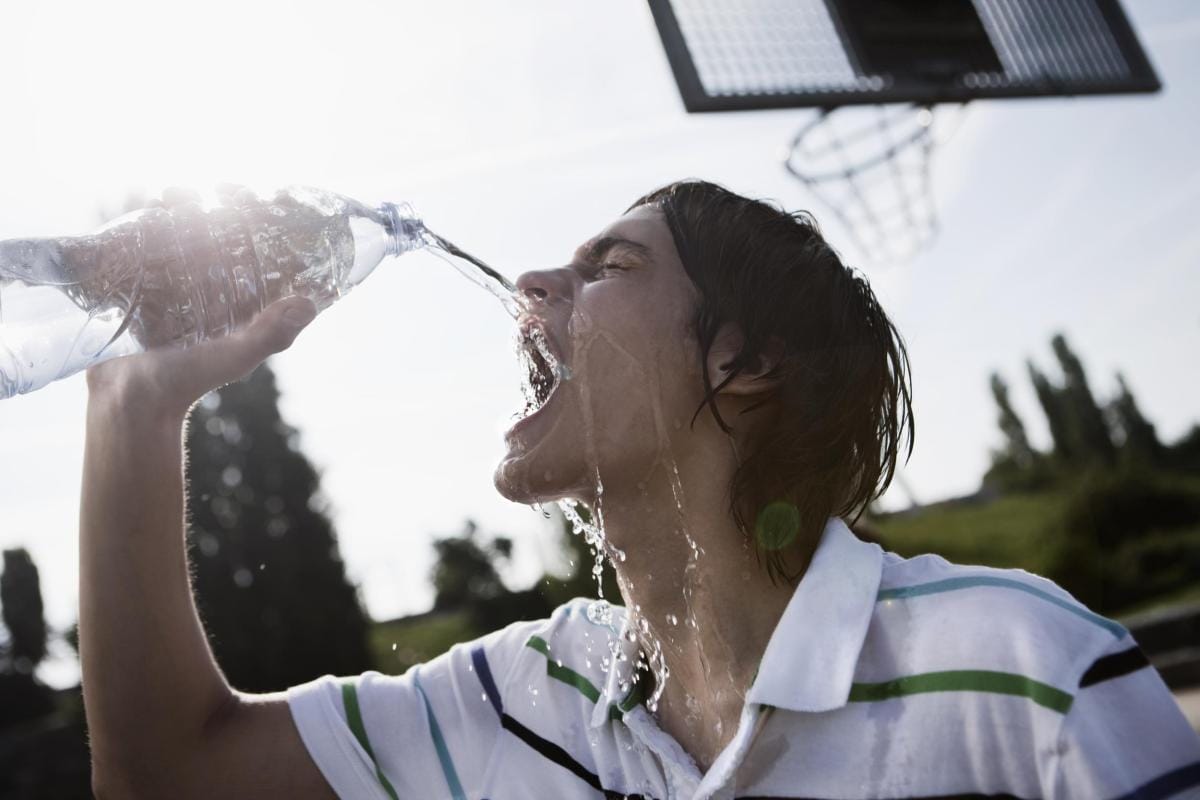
(988, 618)
(579, 635)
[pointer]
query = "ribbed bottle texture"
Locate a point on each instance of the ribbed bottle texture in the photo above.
(173, 277)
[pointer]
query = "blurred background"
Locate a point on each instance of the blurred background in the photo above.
(343, 493)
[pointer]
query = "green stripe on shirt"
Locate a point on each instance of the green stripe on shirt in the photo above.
(355, 721)
(963, 680)
(565, 674)
(572, 678)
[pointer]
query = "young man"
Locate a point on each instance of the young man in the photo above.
(733, 392)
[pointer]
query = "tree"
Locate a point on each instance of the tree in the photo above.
(269, 581)
(21, 597)
(22, 696)
(1016, 466)
(1016, 443)
(465, 570)
(1088, 427)
(1140, 443)
(1051, 401)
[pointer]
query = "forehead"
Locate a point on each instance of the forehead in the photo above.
(643, 226)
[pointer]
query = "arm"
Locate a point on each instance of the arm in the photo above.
(163, 721)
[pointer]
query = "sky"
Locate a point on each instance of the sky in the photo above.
(519, 130)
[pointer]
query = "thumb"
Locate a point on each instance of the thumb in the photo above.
(279, 324)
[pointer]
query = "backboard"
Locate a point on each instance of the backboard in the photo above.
(730, 55)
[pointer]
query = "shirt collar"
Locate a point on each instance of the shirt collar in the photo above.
(621, 692)
(810, 659)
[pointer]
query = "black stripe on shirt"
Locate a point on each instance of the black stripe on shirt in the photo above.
(1114, 666)
(544, 747)
(923, 797)
(561, 757)
(1167, 784)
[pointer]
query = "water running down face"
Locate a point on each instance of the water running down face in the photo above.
(613, 367)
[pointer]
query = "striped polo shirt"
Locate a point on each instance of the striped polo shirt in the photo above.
(885, 678)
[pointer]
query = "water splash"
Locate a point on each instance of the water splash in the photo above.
(474, 270)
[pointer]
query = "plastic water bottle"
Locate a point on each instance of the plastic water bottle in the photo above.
(174, 277)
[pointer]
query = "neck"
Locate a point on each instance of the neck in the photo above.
(693, 584)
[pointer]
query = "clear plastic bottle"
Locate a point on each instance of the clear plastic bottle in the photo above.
(173, 277)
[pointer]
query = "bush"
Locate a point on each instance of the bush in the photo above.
(1108, 509)
(1126, 537)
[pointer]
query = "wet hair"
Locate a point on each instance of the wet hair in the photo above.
(842, 401)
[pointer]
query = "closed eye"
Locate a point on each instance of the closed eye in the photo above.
(596, 271)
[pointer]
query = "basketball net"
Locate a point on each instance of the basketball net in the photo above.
(872, 168)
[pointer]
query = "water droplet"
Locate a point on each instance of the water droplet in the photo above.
(600, 612)
(672, 619)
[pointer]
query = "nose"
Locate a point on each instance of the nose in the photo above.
(546, 285)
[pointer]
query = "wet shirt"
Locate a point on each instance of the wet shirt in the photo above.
(885, 678)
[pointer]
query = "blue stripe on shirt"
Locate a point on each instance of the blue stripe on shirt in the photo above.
(439, 744)
(954, 584)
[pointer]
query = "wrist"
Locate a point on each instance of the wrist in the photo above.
(110, 405)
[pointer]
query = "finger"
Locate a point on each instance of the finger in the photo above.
(227, 193)
(246, 198)
(220, 361)
(275, 328)
(175, 196)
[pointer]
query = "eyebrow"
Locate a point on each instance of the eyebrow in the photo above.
(595, 250)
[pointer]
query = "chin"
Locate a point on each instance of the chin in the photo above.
(524, 478)
(511, 479)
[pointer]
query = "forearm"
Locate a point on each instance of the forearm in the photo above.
(149, 679)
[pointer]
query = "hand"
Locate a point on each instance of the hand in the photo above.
(166, 382)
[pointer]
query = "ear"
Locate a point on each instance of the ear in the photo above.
(751, 379)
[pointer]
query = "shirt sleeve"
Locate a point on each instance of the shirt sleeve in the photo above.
(427, 733)
(1124, 735)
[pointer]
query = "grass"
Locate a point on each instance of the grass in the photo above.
(1153, 569)
(1012, 531)
(1025, 531)
(399, 644)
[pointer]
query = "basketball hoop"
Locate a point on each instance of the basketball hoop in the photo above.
(871, 167)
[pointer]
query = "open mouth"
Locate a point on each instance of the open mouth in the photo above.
(543, 370)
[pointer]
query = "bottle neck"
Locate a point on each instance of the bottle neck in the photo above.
(405, 230)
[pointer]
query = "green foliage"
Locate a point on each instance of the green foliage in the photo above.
(1011, 531)
(21, 599)
(22, 696)
(1086, 425)
(1056, 412)
(578, 579)
(399, 644)
(1184, 455)
(270, 585)
(474, 601)
(1114, 540)
(1140, 445)
(465, 568)
(1109, 508)
(1016, 444)
(1127, 537)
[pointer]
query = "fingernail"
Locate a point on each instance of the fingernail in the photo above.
(300, 314)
